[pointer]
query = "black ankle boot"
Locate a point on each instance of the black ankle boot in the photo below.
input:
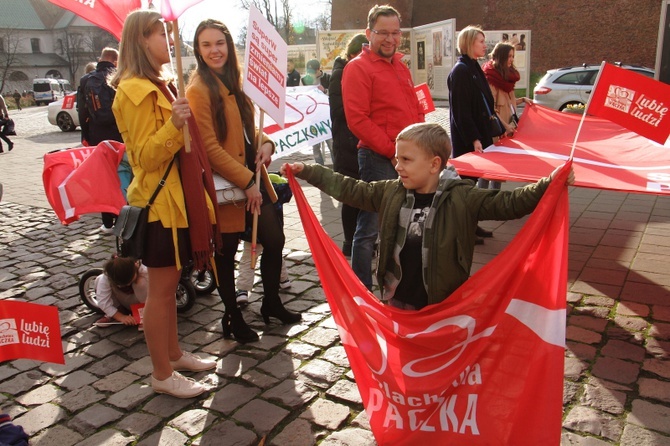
(235, 327)
(273, 307)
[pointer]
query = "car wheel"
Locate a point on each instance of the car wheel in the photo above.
(65, 122)
(564, 106)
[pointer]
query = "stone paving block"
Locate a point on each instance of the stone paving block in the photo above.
(571, 439)
(131, 396)
(165, 406)
(660, 330)
(635, 436)
(230, 397)
(582, 335)
(623, 350)
(41, 395)
(594, 311)
(582, 351)
(301, 350)
(654, 389)
(228, 433)
(350, 436)
(76, 380)
(616, 370)
(659, 367)
(337, 356)
(137, 424)
(573, 368)
(345, 390)
(6, 372)
(584, 419)
(281, 365)
(57, 436)
(322, 337)
(259, 379)
(141, 367)
(570, 390)
(297, 433)
(115, 382)
(167, 436)
(631, 323)
(262, 415)
(588, 322)
(290, 393)
(326, 413)
(320, 373)
(93, 418)
(72, 362)
(40, 417)
(632, 309)
(235, 365)
(661, 312)
(23, 382)
(604, 399)
(659, 349)
(192, 422)
(650, 415)
(79, 398)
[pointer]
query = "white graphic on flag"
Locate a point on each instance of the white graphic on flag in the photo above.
(8, 332)
(619, 98)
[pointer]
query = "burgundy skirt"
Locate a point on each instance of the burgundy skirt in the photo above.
(159, 247)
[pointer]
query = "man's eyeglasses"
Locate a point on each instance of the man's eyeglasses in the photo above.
(386, 34)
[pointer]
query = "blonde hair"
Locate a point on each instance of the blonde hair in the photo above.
(467, 37)
(429, 137)
(134, 58)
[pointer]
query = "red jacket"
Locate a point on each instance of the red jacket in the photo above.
(379, 100)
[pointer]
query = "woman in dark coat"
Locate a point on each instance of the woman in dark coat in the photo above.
(345, 152)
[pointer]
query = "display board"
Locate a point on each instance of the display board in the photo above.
(331, 44)
(434, 56)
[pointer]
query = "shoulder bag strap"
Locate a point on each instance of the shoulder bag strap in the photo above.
(161, 183)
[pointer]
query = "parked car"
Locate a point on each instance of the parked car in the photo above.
(48, 90)
(63, 113)
(572, 85)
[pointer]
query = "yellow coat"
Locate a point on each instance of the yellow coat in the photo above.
(227, 157)
(143, 115)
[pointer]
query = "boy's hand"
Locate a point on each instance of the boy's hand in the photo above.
(571, 175)
(125, 319)
(295, 168)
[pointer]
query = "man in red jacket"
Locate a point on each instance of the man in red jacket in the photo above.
(379, 101)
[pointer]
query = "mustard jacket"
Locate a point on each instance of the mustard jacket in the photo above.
(226, 157)
(143, 115)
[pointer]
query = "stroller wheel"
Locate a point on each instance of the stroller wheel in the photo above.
(203, 282)
(185, 295)
(87, 289)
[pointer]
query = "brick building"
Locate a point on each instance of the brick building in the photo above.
(563, 33)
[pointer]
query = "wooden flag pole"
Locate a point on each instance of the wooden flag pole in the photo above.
(254, 227)
(180, 79)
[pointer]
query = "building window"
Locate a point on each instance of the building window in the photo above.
(59, 43)
(35, 44)
(2, 44)
(18, 76)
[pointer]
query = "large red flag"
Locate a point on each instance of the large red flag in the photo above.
(172, 9)
(607, 156)
(483, 367)
(84, 180)
(107, 14)
(632, 100)
(30, 331)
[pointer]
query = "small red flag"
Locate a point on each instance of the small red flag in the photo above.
(30, 331)
(634, 101)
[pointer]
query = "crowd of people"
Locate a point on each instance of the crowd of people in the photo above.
(391, 173)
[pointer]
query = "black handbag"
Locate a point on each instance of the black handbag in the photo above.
(8, 127)
(131, 224)
(494, 126)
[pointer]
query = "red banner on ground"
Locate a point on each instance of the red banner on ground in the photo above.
(30, 331)
(483, 367)
(607, 156)
(634, 101)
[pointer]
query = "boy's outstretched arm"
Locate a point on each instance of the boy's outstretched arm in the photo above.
(296, 168)
(571, 175)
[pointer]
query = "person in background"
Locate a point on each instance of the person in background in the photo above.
(94, 107)
(90, 67)
(124, 282)
(181, 220)
(4, 116)
(17, 99)
(469, 99)
(345, 151)
(379, 101)
(292, 76)
(425, 187)
(316, 76)
(225, 117)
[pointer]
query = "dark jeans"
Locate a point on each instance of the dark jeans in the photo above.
(372, 166)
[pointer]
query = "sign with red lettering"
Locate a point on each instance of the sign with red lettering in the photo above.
(424, 97)
(265, 66)
(30, 331)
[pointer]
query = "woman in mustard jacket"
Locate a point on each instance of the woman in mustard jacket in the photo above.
(225, 117)
(182, 215)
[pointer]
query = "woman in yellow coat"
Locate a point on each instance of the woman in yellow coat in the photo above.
(225, 117)
(180, 220)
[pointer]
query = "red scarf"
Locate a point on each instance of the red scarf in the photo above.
(494, 77)
(196, 175)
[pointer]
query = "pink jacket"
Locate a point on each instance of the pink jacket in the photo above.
(379, 100)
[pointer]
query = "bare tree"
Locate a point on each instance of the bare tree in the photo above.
(270, 9)
(10, 40)
(83, 46)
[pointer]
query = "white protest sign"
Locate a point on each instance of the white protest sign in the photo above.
(265, 66)
(307, 121)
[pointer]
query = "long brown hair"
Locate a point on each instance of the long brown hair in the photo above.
(499, 57)
(232, 79)
(134, 58)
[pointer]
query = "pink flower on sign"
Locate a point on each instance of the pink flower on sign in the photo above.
(172, 9)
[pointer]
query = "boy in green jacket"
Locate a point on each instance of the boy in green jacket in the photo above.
(427, 217)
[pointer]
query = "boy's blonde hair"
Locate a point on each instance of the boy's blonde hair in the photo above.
(467, 37)
(429, 137)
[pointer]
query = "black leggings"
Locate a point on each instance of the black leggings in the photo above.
(271, 236)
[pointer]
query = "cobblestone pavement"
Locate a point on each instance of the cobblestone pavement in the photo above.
(294, 386)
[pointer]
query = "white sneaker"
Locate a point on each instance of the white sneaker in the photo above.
(242, 297)
(105, 230)
(192, 363)
(285, 284)
(178, 386)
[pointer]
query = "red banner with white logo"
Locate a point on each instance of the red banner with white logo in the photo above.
(634, 101)
(607, 156)
(30, 331)
(107, 14)
(483, 367)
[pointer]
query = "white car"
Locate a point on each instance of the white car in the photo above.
(63, 113)
(573, 85)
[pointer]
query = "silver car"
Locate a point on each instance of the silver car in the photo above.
(63, 113)
(572, 85)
